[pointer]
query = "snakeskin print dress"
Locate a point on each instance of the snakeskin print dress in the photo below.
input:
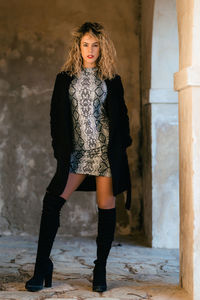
(87, 94)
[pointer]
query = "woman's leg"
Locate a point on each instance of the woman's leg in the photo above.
(106, 229)
(105, 198)
(50, 221)
(73, 181)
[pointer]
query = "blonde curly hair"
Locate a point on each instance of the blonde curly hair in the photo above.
(105, 63)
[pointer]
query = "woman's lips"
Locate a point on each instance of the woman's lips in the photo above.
(90, 56)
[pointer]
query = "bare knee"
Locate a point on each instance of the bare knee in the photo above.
(106, 203)
(73, 181)
(105, 197)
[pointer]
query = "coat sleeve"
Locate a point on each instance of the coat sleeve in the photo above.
(124, 114)
(54, 114)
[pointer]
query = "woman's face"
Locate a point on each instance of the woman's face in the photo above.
(90, 50)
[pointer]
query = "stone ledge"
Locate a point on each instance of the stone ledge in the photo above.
(187, 77)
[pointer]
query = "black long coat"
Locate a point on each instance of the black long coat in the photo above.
(62, 132)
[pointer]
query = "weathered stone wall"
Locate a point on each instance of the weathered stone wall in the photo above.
(34, 38)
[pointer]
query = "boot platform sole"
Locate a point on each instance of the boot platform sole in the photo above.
(35, 288)
(99, 288)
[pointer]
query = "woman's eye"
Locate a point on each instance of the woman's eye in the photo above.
(85, 45)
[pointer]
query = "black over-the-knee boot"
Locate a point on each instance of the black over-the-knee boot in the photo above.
(106, 230)
(50, 221)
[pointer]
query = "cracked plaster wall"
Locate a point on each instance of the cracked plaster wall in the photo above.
(35, 37)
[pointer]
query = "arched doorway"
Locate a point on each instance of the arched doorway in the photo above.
(156, 96)
(160, 123)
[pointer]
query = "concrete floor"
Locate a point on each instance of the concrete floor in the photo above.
(134, 271)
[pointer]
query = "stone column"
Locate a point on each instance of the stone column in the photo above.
(187, 83)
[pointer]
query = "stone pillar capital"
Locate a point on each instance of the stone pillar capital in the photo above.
(187, 77)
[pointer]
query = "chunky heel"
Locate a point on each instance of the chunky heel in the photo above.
(48, 279)
(99, 279)
(43, 273)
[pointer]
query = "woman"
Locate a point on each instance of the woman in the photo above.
(90, 134)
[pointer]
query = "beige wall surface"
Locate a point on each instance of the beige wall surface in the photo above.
(34, 38)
